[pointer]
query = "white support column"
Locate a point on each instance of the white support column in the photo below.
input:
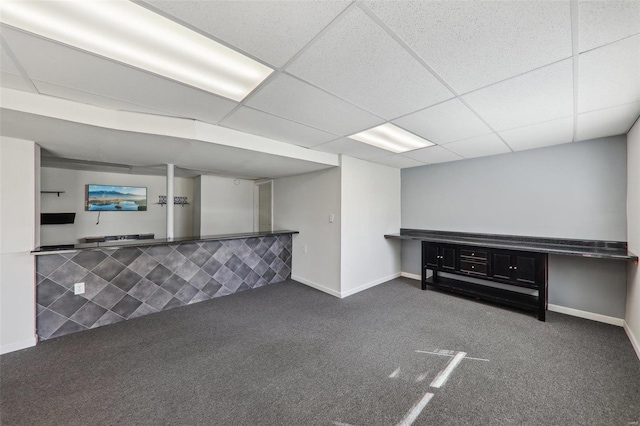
(170, 170)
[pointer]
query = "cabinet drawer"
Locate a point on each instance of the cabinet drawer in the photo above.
(473, 267)
(474, 254)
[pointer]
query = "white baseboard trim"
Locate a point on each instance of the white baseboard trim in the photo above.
(12, 347)
(635, 341)
(587, 315)
(316, 286)
(369, 285)
(411, 276)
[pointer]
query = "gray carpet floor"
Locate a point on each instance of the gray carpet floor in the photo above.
(287, 354)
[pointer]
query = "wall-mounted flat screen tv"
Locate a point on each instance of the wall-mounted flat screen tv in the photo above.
(116, 198)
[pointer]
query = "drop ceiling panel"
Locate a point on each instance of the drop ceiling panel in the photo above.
(271, 30)
(83, 142)
(61, 139)
(260, 123)
(539, 135)
(352, 148)
(610, 75)
(288, 97)
(140, 149)
(398, 161)
(54, 63)
(382, 77)
(542, 95)
(229, 161)
(96, 166)
(6, 63)
(10, 75)
(479, 147)
(473, 44)
(446, 122)
(607, 122)
(602, 22)
(14, 81)
(91, 99)
(432, 155)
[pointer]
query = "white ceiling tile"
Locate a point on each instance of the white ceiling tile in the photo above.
(231, 161)
(10, 75)
(446, 122)
(538, 135)
(398, 161)
(479, 147)
(542, 95)
(54, 63)
(473, 44)
(260, 123)
(609, 75)
(432, 155)
(14, 81)
(607, 122)
(91, 143)
(382, 77)
(291, 98)
(84, 142)
(602, 22)
(91, 99)
(271, 30)
(7, 65)
(352, 148)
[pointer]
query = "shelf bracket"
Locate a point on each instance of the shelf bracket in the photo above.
(52, 192)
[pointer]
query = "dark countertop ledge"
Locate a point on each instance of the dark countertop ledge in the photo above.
(616, 250)
(65, 248)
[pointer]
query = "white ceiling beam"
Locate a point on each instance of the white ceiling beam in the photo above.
(156, 125)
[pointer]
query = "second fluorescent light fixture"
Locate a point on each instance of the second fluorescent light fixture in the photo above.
(392, 138)
(129, 33)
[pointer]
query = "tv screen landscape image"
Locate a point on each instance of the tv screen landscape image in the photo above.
(116, 198)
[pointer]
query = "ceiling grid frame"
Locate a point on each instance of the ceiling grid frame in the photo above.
(18, 65)
(575, 59)
(604, 34)
(413, 53)
(281, 70)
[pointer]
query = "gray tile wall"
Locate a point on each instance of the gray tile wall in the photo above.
(130, 282)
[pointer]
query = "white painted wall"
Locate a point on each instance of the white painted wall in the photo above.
(570, 191)
(575, 190)
(17, 238)
(370, 200)
(226, 205)
(74, 182)
(304, 203)
(632, 316)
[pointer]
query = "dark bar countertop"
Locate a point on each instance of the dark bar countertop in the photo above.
(586, 248)
(62, 248)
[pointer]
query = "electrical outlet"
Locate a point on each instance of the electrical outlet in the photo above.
(78, 288)
(332, 217)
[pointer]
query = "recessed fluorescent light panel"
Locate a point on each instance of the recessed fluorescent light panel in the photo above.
(392, 138)
(131, 34)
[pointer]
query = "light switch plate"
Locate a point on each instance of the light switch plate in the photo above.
(78, 288)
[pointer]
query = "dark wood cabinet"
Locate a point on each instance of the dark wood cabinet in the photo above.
(518, 268)
(502, 269)
(441, 257)
(515, 268)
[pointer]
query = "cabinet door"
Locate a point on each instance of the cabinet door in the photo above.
(448, 258)
(431, 255)
(502, 266)
(525, 269)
